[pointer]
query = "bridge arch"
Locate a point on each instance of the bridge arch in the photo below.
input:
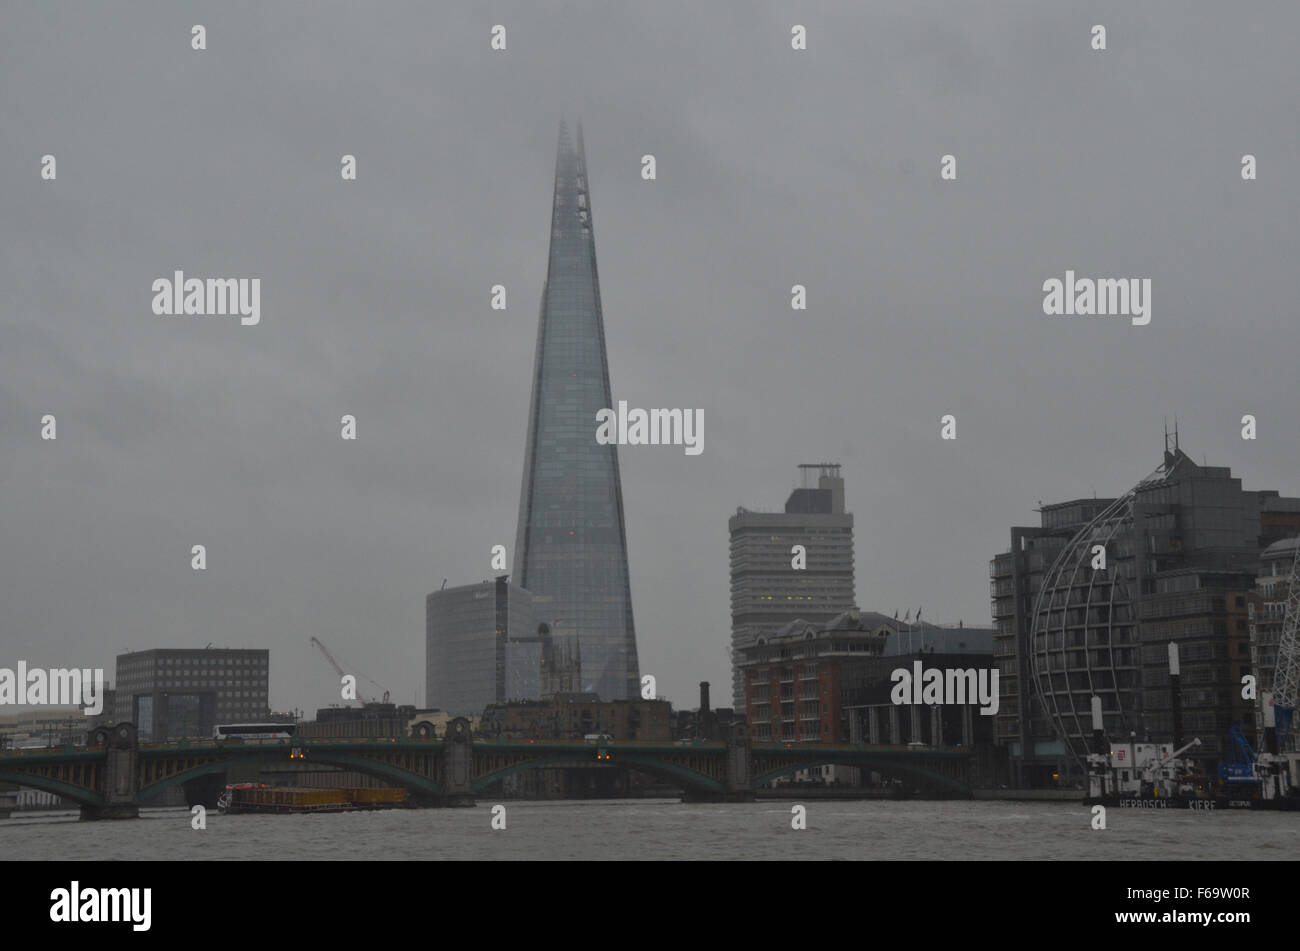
(690, 779)
(360, 764)
(78, 794)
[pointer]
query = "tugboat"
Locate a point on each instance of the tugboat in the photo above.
(1146, 776)
(226, 801)
(1153, 776)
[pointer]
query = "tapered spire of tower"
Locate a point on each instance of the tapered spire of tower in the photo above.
(571, 546)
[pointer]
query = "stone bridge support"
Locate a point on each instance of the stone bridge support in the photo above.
(458, 764)
(120, 776)
(739, 782)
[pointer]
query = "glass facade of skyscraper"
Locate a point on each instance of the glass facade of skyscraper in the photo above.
(571, 544)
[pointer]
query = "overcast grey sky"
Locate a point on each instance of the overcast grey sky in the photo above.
(775, 167)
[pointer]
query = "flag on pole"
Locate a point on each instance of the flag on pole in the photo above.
(908, 618)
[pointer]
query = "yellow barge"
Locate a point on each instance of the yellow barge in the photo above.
(249, 797)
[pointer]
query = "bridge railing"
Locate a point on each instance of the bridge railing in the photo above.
(425, 742)
(35, 751)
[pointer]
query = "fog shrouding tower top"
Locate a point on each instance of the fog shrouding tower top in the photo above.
(571, 547)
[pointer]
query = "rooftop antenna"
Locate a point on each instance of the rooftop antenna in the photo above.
(808, 471)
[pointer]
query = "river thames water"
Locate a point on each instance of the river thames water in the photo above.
(667, 829)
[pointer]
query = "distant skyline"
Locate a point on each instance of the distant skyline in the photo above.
(775, 167)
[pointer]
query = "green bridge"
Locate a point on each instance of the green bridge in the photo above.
(115, 775)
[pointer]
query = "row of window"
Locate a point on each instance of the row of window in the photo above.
(210, 684)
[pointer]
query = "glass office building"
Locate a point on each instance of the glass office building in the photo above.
(571, 545)
(481, 647)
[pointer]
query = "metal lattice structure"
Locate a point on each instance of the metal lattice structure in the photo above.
(1286, 676)
(1102, 602)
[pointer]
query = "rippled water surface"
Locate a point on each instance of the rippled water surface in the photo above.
(655, 829)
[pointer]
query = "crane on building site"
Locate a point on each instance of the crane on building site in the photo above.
(1278, 704)
(339, 670)
(1286, 675)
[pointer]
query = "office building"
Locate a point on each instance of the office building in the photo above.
(832, 683)
(1181, 549)
(767, 591)
(481, 646)
(176, 693)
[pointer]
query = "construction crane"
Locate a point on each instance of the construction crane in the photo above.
(1241, 767)
(1171, 764)
(1286, 675)
(1284, 684)
(339, 670)
(1277, 705)
(1281, 706)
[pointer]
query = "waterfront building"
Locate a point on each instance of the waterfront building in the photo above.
(1181, 550)
(833, 683)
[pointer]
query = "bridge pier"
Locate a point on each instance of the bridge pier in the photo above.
(205, 790)
(120, 777)
(737, 777)
(458, 764)
(119, 811)
(740, 781)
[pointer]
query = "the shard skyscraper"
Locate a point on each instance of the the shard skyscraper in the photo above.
(571, 548)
